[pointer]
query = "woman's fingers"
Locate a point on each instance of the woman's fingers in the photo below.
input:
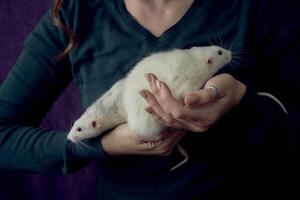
(157, 111)
(203, 96)
(165, 98)
(174, 123)
(156, 107)
(171, 112)
(166, 146)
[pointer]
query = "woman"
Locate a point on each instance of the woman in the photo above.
(243, 135)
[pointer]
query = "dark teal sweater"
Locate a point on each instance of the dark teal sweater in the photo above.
(252, 146)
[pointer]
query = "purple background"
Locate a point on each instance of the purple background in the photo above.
(17, 19)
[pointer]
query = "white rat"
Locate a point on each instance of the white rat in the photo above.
(182, 70)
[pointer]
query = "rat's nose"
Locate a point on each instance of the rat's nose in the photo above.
(71, 138)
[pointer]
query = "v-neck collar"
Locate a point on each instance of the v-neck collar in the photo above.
(132, 23)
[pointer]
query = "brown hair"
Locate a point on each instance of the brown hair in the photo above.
(58, 23)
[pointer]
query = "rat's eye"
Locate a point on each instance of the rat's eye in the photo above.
(78, 129)
(209, 61)
(220, 52)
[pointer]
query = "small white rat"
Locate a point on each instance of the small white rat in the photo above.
(182, 70)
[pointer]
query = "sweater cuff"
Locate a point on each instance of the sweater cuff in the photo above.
(78, 155)
(249, 101)
(255, 103)
(94, 146)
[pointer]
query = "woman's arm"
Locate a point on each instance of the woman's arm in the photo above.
(27, 93)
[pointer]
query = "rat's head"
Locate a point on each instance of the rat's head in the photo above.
(212, 58)
(83, 129)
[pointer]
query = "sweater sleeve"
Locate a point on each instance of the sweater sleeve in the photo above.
(27, 93)
(272, 130)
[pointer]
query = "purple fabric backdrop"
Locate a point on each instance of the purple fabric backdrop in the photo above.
(17, 19)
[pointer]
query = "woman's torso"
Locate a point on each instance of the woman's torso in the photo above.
(111, 42)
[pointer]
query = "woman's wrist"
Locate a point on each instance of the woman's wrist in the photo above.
(108, 144)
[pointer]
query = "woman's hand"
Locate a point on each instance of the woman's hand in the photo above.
(201, 108)
(121, 141)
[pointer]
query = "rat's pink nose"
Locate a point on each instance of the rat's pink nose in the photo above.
(71, 138)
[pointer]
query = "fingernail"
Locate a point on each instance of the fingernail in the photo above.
(150, 77)
(153, 77)
(143, 93)
(158, 84)
(149, 110)
(147, 77)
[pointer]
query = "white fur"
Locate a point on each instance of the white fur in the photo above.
(182, 70)
(107, 111)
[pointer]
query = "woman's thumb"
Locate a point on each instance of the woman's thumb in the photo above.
(200, 97)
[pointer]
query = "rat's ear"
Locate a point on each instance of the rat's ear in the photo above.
(210, 61)
(95, 124)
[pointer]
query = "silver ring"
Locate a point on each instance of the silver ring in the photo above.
(216, 91)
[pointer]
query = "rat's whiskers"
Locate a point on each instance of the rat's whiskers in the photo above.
(87, 146)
